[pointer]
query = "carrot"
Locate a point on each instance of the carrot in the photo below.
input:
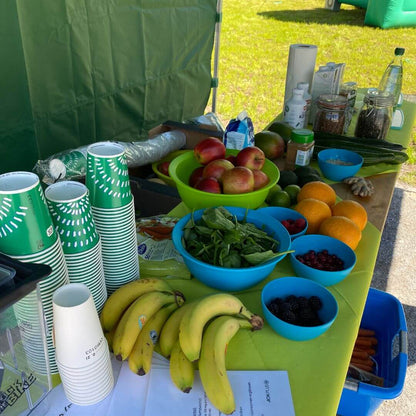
(366, 341)
(368, 361)
(360, 354)
(369, 351)
(363, 332)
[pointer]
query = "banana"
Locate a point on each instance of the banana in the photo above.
(119, 300)
(193, 322)
(181, 370)
(135, 317)
(140, 357)
(170, 331)
(212, 369)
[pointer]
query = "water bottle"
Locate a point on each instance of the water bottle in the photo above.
(393, 76)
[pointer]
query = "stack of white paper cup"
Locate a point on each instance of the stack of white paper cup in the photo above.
(112, 206)
(81, 349)
(71, 213)
(27, 234)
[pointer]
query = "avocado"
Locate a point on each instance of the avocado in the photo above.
(302, 180)
(287, 177)
(306, 171)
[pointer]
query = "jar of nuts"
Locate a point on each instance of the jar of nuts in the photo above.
(330, 115)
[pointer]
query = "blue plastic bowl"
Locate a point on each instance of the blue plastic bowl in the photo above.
(229, 279)
(281, 214)
(317, 243)
(338, 164)
(285, 286)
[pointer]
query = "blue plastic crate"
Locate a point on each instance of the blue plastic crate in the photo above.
(384, 314)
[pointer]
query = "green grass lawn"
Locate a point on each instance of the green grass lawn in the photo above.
(254, 49)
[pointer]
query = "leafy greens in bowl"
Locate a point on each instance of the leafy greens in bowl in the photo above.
(230, 248)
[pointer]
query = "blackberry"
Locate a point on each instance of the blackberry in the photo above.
(285, 306)
(288, 316)
(303, 302)
(273, 308)
(315, 303)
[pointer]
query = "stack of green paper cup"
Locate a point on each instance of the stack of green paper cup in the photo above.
(71, 213)
(27, 234)
(112, 206)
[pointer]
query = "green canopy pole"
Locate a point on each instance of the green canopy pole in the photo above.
(216, 55)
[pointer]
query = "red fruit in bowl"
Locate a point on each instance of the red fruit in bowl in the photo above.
(163, 167)
(196, 175)
(208, 185)
(232, 159)
(260, 179)
(251, 157)
(209, 149)
(238, 180)
(216, 168)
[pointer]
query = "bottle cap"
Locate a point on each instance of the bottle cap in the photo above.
(297, 91)
(399, 51)
(302, 136)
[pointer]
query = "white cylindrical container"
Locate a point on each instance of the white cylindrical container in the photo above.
(295, 110)
(304, 86)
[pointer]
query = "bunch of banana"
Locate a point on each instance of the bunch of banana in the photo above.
(191, 342)
(148, 312)
(127, 312)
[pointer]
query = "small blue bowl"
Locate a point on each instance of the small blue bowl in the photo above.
(281, 214)
(230, 279)
(318, 243)
(338, 164)
(285, 286)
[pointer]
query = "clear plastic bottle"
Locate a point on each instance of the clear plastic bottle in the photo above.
(391, 82)
(295, 110)
(308, 98)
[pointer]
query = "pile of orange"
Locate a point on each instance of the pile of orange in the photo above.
(343, 220)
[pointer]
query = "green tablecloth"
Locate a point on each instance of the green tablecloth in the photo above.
(316, 368)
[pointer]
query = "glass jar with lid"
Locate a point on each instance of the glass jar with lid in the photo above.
(375, 117)
(330, 114)
(299, 148)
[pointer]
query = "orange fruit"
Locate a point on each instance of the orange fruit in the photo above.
(315, 211)
(352, 210)
(318, 190)
(341, 228)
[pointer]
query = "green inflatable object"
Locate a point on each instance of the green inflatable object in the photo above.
(383, 13)
(77, 72)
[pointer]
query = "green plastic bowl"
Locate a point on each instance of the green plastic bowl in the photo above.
(180, 170)
(168, 158)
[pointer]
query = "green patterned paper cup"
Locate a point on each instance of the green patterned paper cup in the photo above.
(107, 176)
(71, 213)
(26, 225)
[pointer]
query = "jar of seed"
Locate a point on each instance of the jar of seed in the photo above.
(330, 114)
(375, 117)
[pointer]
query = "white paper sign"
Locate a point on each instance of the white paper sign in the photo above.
(256, 393)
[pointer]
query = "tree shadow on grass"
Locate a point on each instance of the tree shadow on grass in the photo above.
(351, 17)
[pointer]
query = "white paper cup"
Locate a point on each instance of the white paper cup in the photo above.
(78, 336)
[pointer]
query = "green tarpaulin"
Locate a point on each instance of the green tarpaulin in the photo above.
(74, 72)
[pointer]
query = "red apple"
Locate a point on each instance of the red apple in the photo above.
(196, 175)
(216, 168)
(163, 167)
(232, 159)
(260, 179)
(238, 180)
(209, 149)
(208, 185)
(251, 157)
